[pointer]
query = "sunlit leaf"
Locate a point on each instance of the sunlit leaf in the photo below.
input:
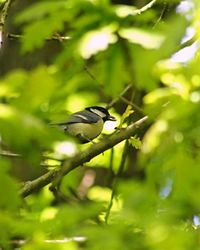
(144, 38)
(129, 110)
(135, 142)
(124, 10)
(98, 40)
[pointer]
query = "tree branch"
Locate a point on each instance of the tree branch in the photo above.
(80, 158)
(55, 37)
(8, 154)
(3, 16)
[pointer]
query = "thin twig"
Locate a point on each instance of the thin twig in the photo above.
(144, 8)
(111, 159)
(188, 43)
(9, 154)
(161, 15)
(130, 69)
(110, 204)
(112, 103)
(122, 162)
(92, 76)
(80, 158)
(120, 170)
(111, 169)
(77, 239)
(54, 37)
(132, 104)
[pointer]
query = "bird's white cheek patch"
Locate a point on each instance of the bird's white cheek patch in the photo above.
(109, 126)
(98, 112)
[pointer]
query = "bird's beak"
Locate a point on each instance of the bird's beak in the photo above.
(111, 118)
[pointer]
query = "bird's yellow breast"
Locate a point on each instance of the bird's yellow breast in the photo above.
(89, 130)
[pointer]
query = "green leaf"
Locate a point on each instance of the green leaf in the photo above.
(135, 142)
(97, 40)
(145, 38)
(126, 114)
(9, 196)
(35, 34)
(124, 10)
(145, 78)
(12, 84)
(40, 10)
(37, 91)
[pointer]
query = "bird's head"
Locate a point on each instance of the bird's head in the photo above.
(102, 112)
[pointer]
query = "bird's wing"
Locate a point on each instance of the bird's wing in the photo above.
(80, 117)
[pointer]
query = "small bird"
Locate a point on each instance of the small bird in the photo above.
(86, 124)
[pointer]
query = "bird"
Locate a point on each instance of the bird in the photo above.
(87, 124)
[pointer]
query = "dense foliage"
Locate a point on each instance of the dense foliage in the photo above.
(142, 193)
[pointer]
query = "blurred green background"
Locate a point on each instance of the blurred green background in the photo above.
(136, 57)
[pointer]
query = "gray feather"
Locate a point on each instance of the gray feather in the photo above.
(80, 117)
